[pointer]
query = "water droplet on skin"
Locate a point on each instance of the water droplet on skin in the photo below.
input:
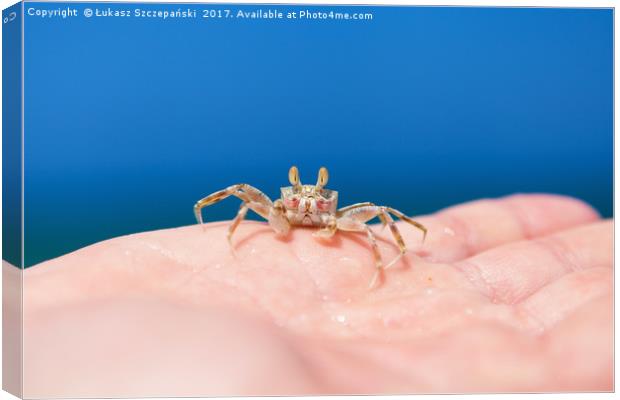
(429, 291)
(448, 231)
(341, 318)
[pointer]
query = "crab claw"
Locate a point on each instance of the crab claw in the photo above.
(324, 233)
(277, 219)
(331, 226)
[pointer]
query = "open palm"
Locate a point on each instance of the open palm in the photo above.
(504, 295)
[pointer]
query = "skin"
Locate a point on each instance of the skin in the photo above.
(505, 295)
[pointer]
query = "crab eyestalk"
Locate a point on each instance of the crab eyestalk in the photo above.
(293, 177)
(322, 179)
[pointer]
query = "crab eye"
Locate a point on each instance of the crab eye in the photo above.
(323, 204)
(291, 202)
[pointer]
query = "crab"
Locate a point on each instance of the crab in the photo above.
(312, 206)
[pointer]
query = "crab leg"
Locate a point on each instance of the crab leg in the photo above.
(396, 233)
(366, 211)
(346, 223)
(344, 210)
(377, 255)
(363, 212)
(243, 191)
(258, 208)
(405, 218)
(243, 210)
(397, 237)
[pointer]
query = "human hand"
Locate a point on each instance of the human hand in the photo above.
(505, 295)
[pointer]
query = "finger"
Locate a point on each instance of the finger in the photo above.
(464, 230)
(511, 273)
(580, 348)
(558, 300)
(480, 357)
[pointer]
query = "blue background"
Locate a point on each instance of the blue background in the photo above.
(129, 122)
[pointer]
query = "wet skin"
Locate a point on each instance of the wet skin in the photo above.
(505, 295)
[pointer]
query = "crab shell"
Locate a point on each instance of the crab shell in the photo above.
(308, 205)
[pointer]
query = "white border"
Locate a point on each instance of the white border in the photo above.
(474, 3)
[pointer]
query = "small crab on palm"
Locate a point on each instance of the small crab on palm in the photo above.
(312, 206)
